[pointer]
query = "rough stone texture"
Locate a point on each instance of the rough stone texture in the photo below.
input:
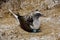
(50, 25)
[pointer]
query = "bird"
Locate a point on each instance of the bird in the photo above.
(29, 23)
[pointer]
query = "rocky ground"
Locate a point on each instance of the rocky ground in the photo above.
(50, 25)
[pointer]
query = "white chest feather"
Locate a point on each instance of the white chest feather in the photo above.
(36, 24)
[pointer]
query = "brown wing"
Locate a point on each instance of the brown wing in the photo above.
(24, 24)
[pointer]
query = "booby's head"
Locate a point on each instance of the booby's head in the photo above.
(37, 14)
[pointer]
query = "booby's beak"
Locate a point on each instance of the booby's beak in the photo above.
(42, 15)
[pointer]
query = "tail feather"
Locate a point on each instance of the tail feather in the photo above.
(13, 14)
(16, 16)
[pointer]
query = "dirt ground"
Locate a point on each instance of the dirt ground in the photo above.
(50, 25)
